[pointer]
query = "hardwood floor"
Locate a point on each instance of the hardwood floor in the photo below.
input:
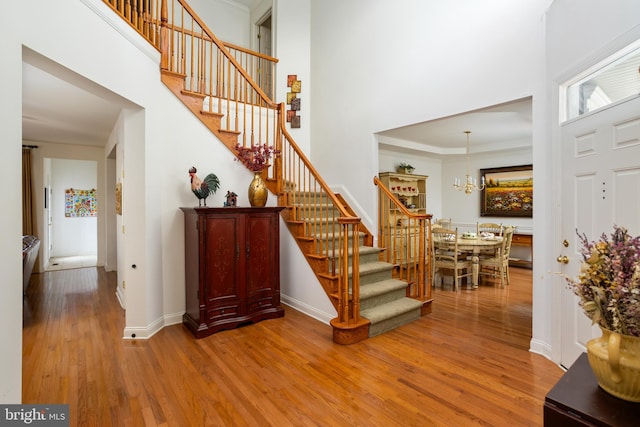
(466, 363)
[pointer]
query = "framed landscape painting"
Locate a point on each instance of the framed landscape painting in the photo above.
(508, 192)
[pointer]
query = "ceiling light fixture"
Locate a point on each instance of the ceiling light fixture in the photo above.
(470, 184)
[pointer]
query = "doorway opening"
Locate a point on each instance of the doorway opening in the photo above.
(264, 46)
(72, 213)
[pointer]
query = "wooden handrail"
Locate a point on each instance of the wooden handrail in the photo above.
(221, 47)
(148, 16)
(232, 46)
(405, 234)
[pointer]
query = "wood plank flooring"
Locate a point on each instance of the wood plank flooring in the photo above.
(467, 363)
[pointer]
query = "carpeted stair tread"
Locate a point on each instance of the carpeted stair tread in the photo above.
(374, 267)
(391, 315)
(381, 292)
(363, 251)
(373, 289)
(328, 235)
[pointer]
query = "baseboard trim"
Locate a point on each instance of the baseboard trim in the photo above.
(310, 311)
(142, 333)
(541, 348)
(120, 297)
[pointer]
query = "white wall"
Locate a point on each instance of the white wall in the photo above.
(229, 21)
(380, 65)
(72, 235)
(11, 224)
(292, 35)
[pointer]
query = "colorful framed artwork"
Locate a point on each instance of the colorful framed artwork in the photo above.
(290, 115)
(295, 104)
(290, 79)
(80, 203)
(296, 86)
(295, 122)
(508, 192)
(290, 96)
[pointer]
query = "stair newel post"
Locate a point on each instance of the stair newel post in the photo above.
(349, 237)
(428, 261)
(420, 282)
(164, 36)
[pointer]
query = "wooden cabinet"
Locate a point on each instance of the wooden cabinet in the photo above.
(410, 189)
(232, 267)
(525, 240)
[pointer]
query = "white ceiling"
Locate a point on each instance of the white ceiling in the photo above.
(54, 110)
(497, 128)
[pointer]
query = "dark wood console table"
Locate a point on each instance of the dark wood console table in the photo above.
(525, 240)
(577, 400)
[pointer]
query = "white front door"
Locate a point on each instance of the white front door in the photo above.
(600, 188)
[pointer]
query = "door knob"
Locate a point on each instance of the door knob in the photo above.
(563, 259)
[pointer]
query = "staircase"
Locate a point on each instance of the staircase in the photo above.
(371, 292)
(383, 299)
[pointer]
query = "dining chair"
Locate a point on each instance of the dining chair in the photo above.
(489, 227)
(443, 222)
(446, 256)
(498, 262)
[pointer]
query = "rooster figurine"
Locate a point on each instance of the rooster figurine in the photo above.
(203, 188)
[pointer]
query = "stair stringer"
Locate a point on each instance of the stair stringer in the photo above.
(193, 101)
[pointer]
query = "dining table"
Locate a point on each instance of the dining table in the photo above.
(473, 246)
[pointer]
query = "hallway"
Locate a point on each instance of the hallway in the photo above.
(66, 263)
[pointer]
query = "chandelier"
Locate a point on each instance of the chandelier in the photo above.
(470, 184)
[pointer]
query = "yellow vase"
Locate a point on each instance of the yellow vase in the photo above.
(258, 192)
(615, 361)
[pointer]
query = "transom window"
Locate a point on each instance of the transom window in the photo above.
(614, 79)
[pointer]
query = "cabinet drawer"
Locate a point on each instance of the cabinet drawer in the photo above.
(222, 312)
(258, 304)
(522, 239)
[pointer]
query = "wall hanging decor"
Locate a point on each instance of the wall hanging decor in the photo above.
(293, 100)
(80, 203)
(508, 191)
(119, 198)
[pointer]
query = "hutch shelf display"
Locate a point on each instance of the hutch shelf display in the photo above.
(232, 274)
(410, 189)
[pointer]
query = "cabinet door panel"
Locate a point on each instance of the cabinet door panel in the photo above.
(262, 254)
(222, 259)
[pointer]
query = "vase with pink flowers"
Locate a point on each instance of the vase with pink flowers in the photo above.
(256, 158)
